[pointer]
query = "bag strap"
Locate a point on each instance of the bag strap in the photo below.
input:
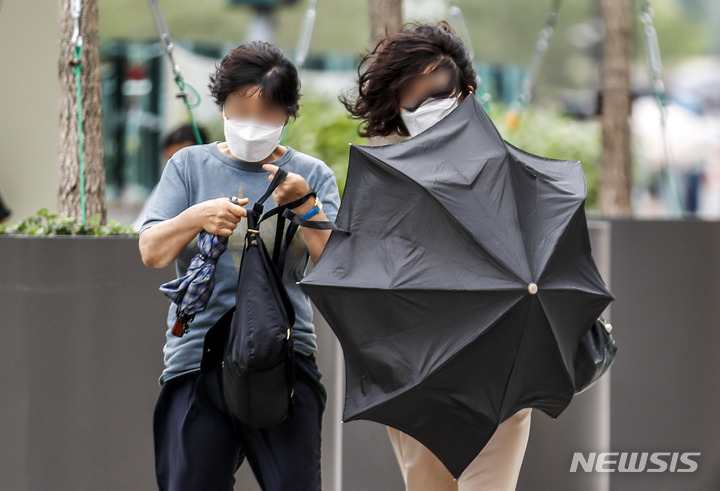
(284, 213)
(316, 224)
(297, 221)
(280, 247)
(283, 235)
(254, 216)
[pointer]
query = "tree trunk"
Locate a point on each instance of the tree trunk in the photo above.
(385, 18)
(616, 183)
(69, 175)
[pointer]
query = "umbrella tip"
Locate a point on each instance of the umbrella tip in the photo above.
(532, 288)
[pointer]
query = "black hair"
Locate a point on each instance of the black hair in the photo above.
(394, 62)
(184, 133)
(262, 65)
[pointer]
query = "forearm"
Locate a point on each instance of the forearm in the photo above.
(163, 242)
(315, 239)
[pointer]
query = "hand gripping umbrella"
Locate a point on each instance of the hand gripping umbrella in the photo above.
(464, 286)
(191, 293)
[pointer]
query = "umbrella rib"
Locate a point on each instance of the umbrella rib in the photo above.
(407, 388)
(391, 169)
(514, 364)
(550, 179)
(384, 289)
(562, 235)
(555, 344)
(448, 317)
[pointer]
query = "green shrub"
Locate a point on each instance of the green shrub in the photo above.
(43, 223)
(324, 130)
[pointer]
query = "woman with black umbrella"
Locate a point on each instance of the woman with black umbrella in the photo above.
(409, 82)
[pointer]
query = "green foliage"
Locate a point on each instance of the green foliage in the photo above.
(548, 133)
(500, 32)
(218, 21)
(44, 223)
(324, 130)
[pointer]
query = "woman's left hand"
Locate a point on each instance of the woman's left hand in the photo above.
(293, 186)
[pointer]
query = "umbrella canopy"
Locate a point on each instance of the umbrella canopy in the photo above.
(464, 286)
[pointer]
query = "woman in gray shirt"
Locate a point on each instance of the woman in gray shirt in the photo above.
(199, 445)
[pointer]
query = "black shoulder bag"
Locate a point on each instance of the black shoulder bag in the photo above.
(596, 352)
(253, 341)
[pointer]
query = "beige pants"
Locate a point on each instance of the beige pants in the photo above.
(496, 468)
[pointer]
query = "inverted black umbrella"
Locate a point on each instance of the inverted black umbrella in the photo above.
(464, 286)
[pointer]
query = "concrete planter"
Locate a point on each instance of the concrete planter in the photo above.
(82, 326)
(82, 329)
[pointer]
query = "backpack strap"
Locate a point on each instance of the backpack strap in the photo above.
(254, 215)
(280, 247)
(316, 224)
(283, 235)
(296, 221)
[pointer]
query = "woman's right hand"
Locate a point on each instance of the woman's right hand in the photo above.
(162, 243)
(220, 216)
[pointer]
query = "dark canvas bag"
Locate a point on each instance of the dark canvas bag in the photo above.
(595, 354)
(253, 341)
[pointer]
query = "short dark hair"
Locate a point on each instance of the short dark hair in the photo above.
(184, 133)
(262, 65)
(396, 60)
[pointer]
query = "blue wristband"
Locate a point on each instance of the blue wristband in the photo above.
(313, 211)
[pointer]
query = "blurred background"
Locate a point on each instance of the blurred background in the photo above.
(140, 107)
(561, 122)
(82, 334)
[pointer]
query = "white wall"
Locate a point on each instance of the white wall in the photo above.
(28, 105)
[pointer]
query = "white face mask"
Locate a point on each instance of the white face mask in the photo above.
(249, 141)
(429, 113)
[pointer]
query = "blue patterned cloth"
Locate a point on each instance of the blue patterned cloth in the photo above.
(191, 292)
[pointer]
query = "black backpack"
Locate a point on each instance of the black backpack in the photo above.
(253, 341)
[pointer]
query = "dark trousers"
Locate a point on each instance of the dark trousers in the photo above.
(199, 445)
